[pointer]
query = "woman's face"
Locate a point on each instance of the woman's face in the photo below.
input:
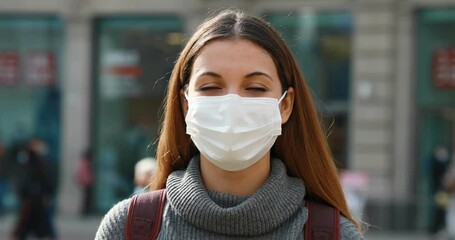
(237, 67)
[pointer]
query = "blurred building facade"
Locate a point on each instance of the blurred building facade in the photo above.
(92, 74)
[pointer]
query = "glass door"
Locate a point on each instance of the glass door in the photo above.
(30, 81)
(435, 102)
(134, 59)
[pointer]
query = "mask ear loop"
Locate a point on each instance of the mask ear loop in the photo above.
(185, 92)
(282, 97)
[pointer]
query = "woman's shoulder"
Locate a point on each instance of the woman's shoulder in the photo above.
(113, 224)
(348, 230)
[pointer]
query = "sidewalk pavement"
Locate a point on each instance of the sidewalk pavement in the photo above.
(78, 228)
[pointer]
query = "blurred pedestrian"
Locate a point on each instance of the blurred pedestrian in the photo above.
(143, 171)
(84, 177)
(439, 161)
(449, 183)
(355, 187)
(34, 187)
(4, 170)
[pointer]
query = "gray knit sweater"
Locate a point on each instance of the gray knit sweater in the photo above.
(275, 211)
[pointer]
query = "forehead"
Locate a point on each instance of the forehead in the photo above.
(223, 52)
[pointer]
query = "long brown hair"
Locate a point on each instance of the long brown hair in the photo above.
(302, 146)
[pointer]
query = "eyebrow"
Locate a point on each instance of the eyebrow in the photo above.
(257, 73)
(249, 75)
(213, 74)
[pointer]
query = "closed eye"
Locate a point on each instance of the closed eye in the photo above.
(256, 89)
(208, 88)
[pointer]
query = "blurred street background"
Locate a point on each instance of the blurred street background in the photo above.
(82, 83)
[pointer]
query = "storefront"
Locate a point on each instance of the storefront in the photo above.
(435, 100)
(30, 82)
(134, 57)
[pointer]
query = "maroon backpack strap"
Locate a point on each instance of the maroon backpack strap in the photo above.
(323, 222)
(144, 215)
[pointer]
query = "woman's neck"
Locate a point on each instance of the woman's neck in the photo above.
(242, 183)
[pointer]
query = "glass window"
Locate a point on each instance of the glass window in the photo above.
(134, 58)
(436, 58)
(321, 42)
(30, 69)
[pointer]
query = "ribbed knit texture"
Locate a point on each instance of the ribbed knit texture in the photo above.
(275, 211)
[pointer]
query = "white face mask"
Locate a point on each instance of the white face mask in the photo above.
(233, 132)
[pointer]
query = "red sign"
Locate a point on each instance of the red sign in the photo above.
(39, 69)
(443, 68)
(9, 68)
(123, 62)
(133, 71)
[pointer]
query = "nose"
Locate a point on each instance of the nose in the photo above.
(233, 90)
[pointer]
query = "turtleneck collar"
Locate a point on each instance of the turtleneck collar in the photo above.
(272, 204)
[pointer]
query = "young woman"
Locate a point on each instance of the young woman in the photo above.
(241, 145)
